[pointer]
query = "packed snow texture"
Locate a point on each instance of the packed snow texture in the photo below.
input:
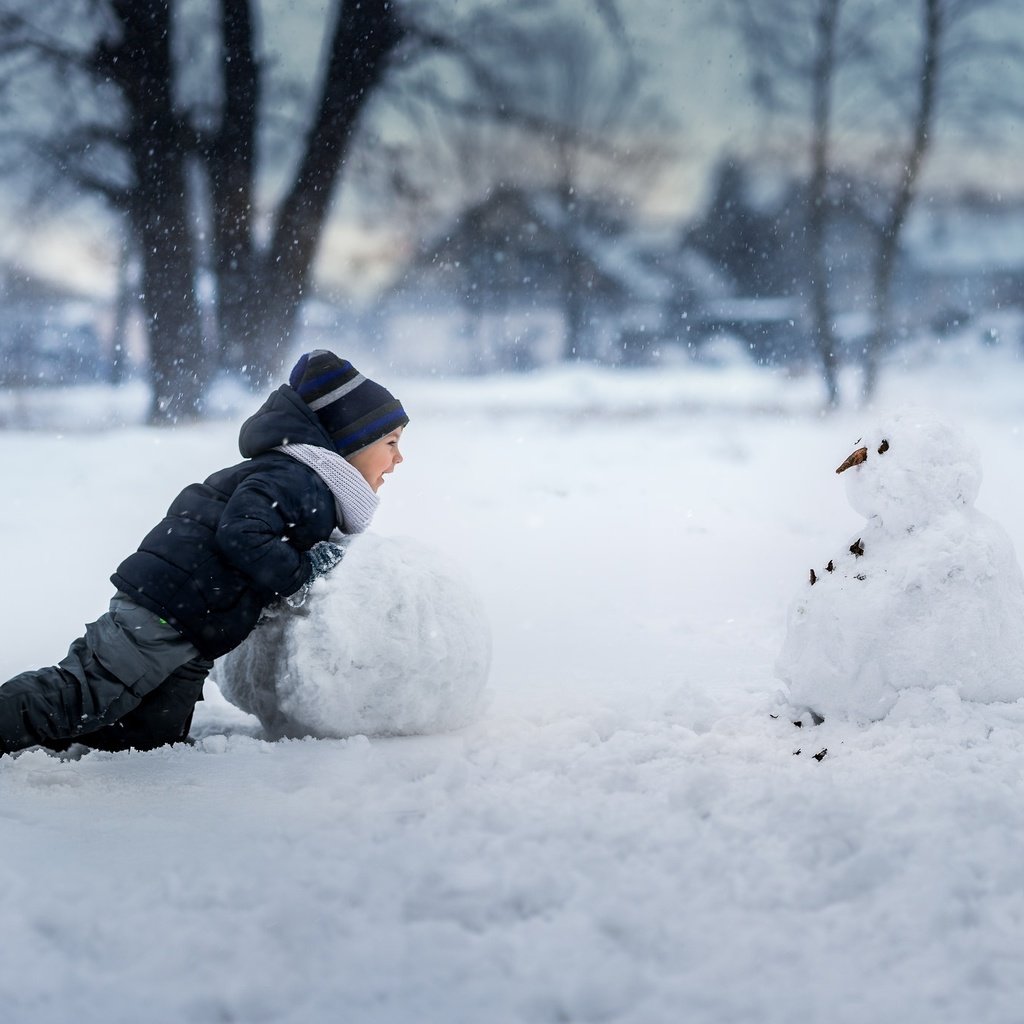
(626, 835)
(927, 595)
(394, 641)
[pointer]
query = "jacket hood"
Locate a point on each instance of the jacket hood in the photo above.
(284, 418)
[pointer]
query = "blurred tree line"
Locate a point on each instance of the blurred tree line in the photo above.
(224, 171)
(861, 91)
(161, 109)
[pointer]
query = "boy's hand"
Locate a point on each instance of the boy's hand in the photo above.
(325, 555)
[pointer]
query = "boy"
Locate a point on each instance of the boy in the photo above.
(316, 453)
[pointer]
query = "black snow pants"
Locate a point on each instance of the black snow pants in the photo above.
(131, 681)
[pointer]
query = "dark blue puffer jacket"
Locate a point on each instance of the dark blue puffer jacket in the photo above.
(230, 546)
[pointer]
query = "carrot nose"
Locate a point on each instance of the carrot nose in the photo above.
(854, 460)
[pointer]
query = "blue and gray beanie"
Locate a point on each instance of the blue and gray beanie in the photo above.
(353, 409)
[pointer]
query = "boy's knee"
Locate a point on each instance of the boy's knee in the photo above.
(163, 717)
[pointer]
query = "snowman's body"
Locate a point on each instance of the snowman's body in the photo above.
(392, 642)
(928, 594)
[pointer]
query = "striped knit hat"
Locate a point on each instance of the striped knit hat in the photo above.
(353, 409)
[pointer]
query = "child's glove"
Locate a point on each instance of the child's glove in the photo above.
(324, 555)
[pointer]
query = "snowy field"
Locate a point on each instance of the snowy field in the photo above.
(627, 834)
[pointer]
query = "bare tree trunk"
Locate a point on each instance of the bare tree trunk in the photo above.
(365, 36)
(232, 162)
(123, 308)
(818, 199)
(259, 293)
(892, 226)
(575, 333)
(177, 364)
(570, 277)
(140, 63)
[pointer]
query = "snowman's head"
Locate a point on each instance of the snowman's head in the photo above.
(911, 469)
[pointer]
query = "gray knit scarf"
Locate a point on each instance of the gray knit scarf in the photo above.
(354, 499)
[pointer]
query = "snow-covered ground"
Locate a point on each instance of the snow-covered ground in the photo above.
(626, 835)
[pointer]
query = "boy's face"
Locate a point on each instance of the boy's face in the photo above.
(378, 459)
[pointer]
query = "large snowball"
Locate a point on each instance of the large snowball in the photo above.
(927, 594)
(393, 641)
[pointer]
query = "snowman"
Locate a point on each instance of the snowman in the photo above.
(393, 641)
(928, 593)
